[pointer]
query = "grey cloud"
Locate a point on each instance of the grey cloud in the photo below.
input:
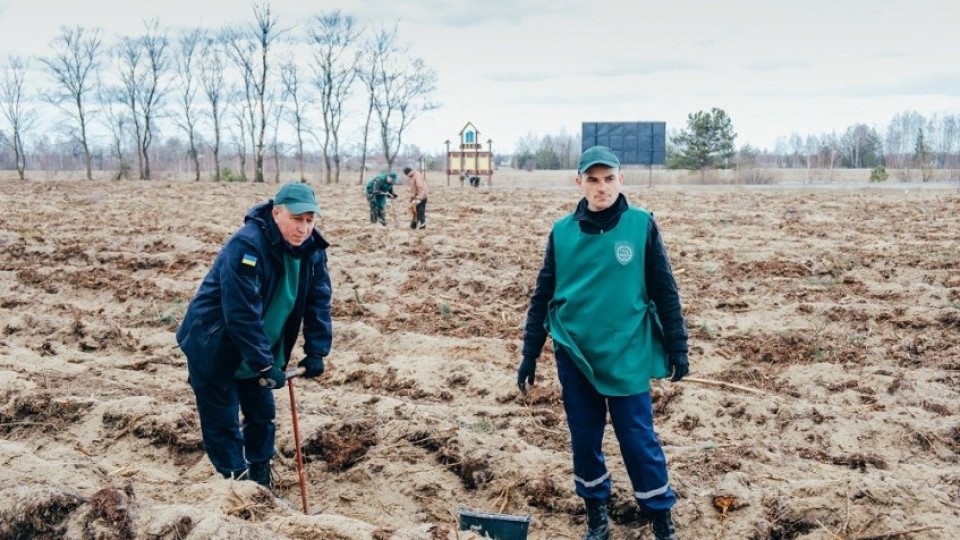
(644, 68)
(774, 65)
(454, 14)
(520, 76)
(947, 85)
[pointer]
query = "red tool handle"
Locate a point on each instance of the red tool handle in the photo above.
(301, 474)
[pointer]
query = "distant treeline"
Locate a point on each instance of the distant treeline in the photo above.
(910, 142)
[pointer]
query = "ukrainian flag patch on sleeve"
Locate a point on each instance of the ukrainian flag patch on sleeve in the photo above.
(248, 265)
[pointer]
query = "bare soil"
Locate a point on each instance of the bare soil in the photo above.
(823, 403)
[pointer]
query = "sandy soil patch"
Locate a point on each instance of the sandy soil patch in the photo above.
(838, 312)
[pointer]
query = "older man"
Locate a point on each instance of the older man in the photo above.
(240, 328)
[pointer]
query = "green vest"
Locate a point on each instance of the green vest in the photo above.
(600, 312)
(276, 315)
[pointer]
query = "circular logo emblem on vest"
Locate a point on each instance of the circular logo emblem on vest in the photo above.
(624, 252)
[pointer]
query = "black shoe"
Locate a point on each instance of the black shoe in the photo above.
(260, 473)
(662, 525)
(597, 526)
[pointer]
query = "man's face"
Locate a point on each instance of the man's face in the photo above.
(295, 228)
(601, 186)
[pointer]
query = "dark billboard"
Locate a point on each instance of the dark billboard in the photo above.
(635, 143)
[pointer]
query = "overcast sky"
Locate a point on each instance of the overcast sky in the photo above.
(514, 67)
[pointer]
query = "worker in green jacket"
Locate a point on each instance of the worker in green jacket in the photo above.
(607, 297)
(378, 189)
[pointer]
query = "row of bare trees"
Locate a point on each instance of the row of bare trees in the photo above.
(255, 91)
(911, 142)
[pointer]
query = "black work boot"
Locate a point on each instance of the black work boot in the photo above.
(597, 527)
(662, 524)
(260, 473)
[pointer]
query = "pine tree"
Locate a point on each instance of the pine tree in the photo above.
(706, 143)
(922, 157)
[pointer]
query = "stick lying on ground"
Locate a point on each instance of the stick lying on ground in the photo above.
(711, 382)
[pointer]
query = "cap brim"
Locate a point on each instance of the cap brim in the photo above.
(302, 208)
(604, 162)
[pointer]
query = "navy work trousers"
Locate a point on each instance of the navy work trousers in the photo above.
(632, 418)
(230, 444)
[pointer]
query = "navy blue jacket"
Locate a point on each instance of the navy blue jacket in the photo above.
(661, 285)
(224, 322)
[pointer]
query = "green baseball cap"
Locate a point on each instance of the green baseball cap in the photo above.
(597, 155)
(297, 197)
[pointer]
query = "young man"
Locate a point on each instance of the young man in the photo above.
(604, 292)
(378, 189)
(418, 198)
(240, 328)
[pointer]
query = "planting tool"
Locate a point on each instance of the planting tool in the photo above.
(301, 474)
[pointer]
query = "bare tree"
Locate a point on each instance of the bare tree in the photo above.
(297, 111)
(277, 111)
(154, 88)
(900, 140)
(19, 114)
(73, 65)
(796, 149)
(403, 93)
(214, 88)
(333, 39)
(187, 58)
(943, 134)
(829, 153)
(117, 120)
(238, 134)
(810, 146)
(127, 60)
(250, 51)
(239, 49)
(144, 65)
(376, 51)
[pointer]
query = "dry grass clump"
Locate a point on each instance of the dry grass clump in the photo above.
(42, 514)
(344, 446)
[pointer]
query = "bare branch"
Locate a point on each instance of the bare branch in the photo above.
(333, 39)
(15, 108)
(73, 65)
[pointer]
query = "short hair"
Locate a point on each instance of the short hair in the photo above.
(407, 171)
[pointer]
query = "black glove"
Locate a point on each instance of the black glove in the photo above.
(313, 364)
(272, 378)
(393, 195)
(527, 373)
(679, 365)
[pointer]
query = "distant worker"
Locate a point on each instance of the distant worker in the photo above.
(418, 198)
(378, 189)
(472, 180)
(269, 279)
(607, 296)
